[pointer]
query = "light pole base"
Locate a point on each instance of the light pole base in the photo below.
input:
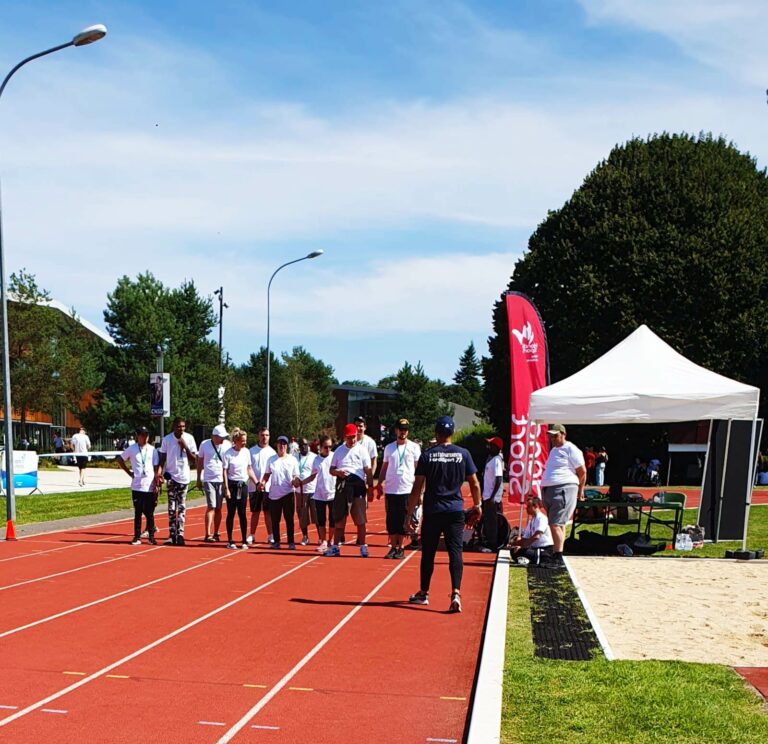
(10, 530)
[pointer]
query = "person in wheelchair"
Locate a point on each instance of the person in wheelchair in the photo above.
(534, 545)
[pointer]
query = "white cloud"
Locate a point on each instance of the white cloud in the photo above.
(725, 34)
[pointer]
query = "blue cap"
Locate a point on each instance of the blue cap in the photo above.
(444, 425)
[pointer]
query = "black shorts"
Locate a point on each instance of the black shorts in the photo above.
(397, 506)
(322, 508)
(258, 501)
(350, 499)
(82, 462)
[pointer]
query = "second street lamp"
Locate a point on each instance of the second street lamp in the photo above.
(314, 254)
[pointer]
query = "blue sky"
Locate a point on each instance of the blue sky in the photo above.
(417, 143)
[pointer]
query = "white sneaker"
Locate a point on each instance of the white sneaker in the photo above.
(249, 539)
(244, 546)
(271, 539)
(231, 546)
(305, 540)
(136, 541)
(322, 547)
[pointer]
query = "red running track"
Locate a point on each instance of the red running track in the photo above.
(102, 641)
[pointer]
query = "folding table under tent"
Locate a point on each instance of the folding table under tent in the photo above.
(644, 380)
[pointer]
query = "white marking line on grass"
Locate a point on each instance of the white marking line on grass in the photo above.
(75, 570)
(110, 597)
(296, 669)
(208, 615)
(607, 650)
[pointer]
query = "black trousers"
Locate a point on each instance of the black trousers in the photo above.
(144, 503)
(490, 524)
(236, 504)
(285, 507)
(451, 526)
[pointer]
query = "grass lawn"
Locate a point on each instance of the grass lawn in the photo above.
(757, 534)
(39, 508)
(637, 702)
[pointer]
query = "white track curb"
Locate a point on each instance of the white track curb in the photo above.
(485, 716)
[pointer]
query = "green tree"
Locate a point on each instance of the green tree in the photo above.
(53, 359)
(308, 405)
(467, 389)
(420, 400)
(142, 314)
(671, 231)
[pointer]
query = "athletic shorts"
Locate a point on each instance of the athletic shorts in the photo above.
(214, 494)
(322, 509)
(351, 500)
(560, 502)
(82, 462)
(397, 507)
(258, 501)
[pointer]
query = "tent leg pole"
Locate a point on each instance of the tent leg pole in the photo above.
(722, 479)
(750, 479)
(704, 471)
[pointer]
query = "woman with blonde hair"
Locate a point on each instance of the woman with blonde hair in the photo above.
(236, 464)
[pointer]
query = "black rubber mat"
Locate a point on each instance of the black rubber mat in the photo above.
(561, 628)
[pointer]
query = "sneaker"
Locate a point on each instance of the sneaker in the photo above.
(180, 540)
(145, 533)
(170, 541)
(216, 537)
(455, 603)
(244, 546)
(485, 550)
(305, 540)
(136, 541)
(249, 539)
(208, 539)
(275, 545)
(363, 551)
(291, 546)
(231, 546)
(322, 547)
(399, 554)
(522, 561)
(152, 540)
(420, 598)
(333, 551)
(391, 553)
(271, 539)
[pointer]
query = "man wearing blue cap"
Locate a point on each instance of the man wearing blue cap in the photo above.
(442, 469)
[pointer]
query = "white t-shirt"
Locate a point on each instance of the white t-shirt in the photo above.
(80, 443)
(212, 455)
(561, 465)
(260, 456)
(538, 523)
(281, 471)
(176, 462)
(305, 470)
(494, 468)
(144, 460)
(325, 490)
(352, 460)
(236, 462)
(401, 466)
(370, 447)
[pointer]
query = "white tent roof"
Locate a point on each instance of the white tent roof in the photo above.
(643, 380)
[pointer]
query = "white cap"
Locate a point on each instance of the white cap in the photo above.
(220, 431)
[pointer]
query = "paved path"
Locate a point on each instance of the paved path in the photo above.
(64, 480)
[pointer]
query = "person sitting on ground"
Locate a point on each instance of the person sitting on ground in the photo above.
(534, 544)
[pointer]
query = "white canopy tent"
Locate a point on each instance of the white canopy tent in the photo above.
(644, 380)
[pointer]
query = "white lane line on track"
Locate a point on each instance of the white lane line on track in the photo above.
(111, 596)
(296, 669)
(266, 728)
(9, 707)
(128, 520)
(54, 550)
(79, 568)
(208, 615)
(54, 710)
(211, 723)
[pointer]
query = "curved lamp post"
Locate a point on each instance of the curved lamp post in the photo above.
(314, 254)
(86, 36)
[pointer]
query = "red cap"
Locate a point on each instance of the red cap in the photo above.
(497, 441)
(350, 430)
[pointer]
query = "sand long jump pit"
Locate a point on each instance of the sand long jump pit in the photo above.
(684, 609)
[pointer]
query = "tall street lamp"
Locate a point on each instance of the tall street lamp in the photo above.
(86, 36)
(314, 254)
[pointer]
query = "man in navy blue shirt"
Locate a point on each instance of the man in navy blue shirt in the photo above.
(442, 469)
